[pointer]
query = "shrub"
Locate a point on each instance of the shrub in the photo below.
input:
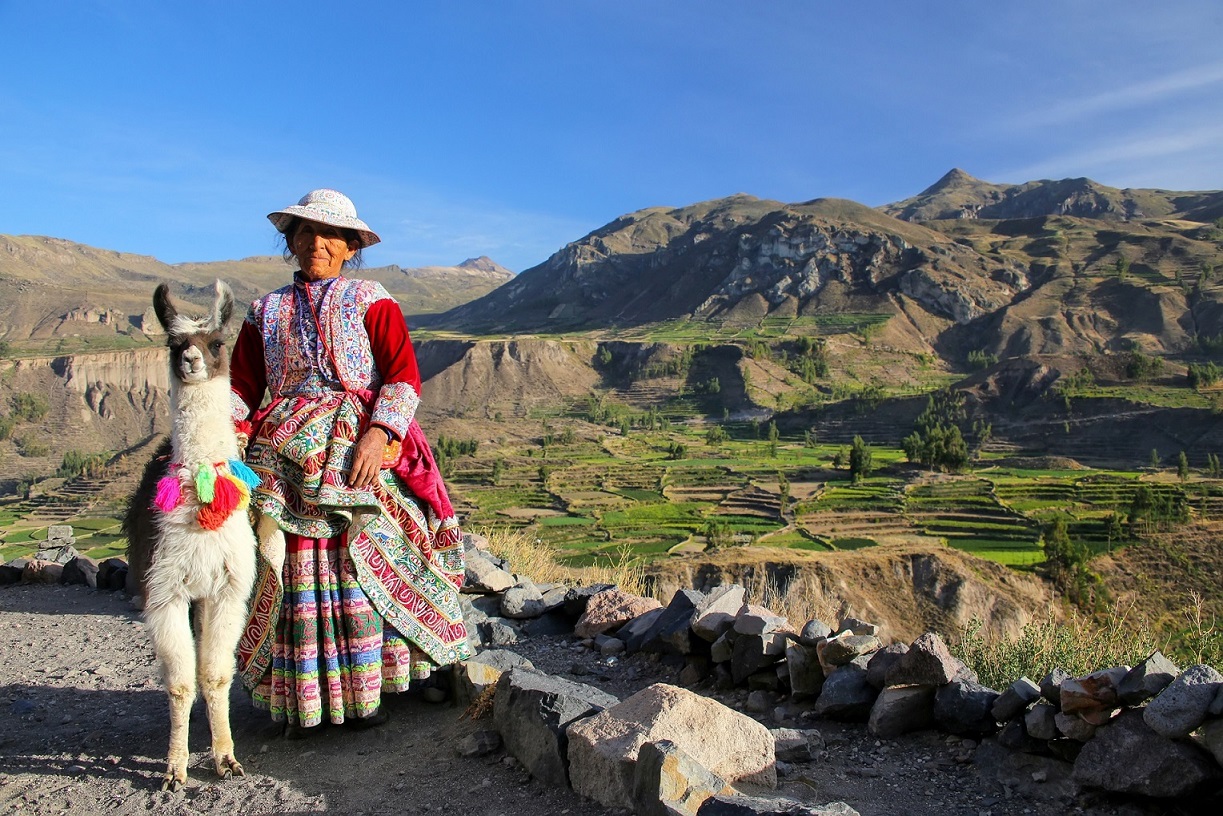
(28, 407)
(528, 555)
(1077, 646)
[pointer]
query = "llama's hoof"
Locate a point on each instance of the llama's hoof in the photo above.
(172, 783)
(228, 767)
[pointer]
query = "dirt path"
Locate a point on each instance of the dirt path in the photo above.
(83, 726)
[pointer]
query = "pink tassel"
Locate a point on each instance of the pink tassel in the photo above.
(169, 494)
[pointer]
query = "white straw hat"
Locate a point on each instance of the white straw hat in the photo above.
(326, 207)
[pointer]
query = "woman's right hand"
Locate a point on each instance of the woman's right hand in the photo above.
(367, 458)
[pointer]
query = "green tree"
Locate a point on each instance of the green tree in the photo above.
(716, 435)
(860, 460)
(1154, 459)
(1182, 467)
(498, 470)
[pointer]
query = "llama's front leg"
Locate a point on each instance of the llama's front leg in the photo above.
(170, 628)
(221, 621)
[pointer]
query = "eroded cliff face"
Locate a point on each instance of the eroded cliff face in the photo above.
(904, 588)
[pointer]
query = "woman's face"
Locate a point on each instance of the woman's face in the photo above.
(321, 249)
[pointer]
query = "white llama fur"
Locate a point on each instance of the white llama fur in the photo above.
(210, 569)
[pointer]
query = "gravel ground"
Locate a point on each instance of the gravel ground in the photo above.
(83, 729)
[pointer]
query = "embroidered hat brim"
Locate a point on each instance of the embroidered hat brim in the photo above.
(326, 207)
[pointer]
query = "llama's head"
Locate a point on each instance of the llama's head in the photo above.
(197, 344)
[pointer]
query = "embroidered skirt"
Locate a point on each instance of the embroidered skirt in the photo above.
(332, 655)
(364, 597)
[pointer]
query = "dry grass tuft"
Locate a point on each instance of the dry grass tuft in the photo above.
(800, 602)
(482, 706)
(529, 556)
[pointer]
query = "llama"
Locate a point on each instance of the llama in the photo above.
(189, 535)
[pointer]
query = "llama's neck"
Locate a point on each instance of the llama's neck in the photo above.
(202, 428)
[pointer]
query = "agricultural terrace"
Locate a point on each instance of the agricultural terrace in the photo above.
(680, 487)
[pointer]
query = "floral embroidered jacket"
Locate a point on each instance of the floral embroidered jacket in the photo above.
(363, 336)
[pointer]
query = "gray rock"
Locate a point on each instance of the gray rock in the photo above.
(57, 552)
(723, 648)
(667, 781)
(46, 572)
(846, 695)
(927, 662)
(1181, 708)
(634, 632)
(484, 670)
(740, 805)
(751, 653)
(806, 673)
(858, 627)
(1216, 708)
(901, 709)
(482, 575)
(1147, 679)
(554, 598)
(797, 745)
(1030, 775)
(521, 601)
(1040, 721)
(532, 711)
(1051, 686)
(757, 620)
(1073, 727)
(764, 680)
(1014, 735)
(759, 702)
(81, 570)
(844, 648)
(608, 645)
(1015, 699)
(549, 624)
(483, 606)
(496, 632)
(1212, 738)
(716, 612)
(696, 668)
(10, 573)
(112, 574)
(963, 707)
(1127, 756)
(479, 743)
(813, 631)
(671, 632)
(881, 663)
(577, 598)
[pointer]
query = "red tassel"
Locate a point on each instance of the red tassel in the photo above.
(209, 518)
(225, 499)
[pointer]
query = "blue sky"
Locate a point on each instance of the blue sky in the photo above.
(507, 128)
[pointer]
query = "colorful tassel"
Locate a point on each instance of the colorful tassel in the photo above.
(239, 469)
(209, 518)
(225, 495)
(205, 481)
(169, 494)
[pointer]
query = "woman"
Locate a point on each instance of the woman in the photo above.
(361, 556)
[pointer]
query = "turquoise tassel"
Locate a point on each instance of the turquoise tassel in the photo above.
(239, 469)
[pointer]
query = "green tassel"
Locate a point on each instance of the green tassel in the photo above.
(205, 478)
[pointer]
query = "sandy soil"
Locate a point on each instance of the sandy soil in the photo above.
(83, 729)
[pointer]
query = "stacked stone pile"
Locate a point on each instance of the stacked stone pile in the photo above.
(1150, 729)
(58, 562)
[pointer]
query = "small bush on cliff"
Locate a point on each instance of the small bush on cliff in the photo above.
(529, 556)
(1078, 646)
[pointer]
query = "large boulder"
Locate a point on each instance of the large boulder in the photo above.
(716, 612)
(668, 782)
(532, 712)
(1181, 708)
(1127, 756)
(963, 707)
(901, 709)
(603, 749)
(928, 662)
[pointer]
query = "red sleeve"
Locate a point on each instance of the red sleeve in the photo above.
(247, 371)
(392, 347)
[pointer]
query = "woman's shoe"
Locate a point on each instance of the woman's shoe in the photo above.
(297, 732)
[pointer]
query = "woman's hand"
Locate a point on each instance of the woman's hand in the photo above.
(367, 458)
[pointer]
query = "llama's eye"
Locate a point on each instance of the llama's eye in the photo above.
(215, 346)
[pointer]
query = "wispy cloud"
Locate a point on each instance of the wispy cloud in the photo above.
(1128, 97)
(1165, 157)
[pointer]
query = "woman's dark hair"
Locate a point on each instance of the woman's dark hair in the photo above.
(286, 238)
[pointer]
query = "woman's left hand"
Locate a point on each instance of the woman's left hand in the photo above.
(367, 458)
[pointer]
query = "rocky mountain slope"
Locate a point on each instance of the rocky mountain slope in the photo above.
(53, 290)
(959, 195)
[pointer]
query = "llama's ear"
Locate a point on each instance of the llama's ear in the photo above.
(163, 307)
(223, 306)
